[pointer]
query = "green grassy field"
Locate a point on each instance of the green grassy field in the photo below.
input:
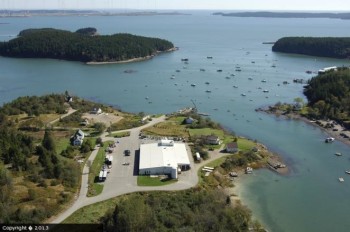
(171, 127)
(119, 134)
(96, 188)
(245, 144)
(207, 131)
(92, 213)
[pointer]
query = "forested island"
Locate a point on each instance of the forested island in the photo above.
(84, 45)
(333, 47)
(267, 14)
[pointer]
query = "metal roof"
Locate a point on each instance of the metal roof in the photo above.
(154, 155)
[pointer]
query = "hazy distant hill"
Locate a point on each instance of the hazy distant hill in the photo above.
(267, 14)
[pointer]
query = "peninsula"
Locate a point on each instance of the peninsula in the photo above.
(269, 14)
(84, 45)
(328, 104)
(333, 47)
(46, 157)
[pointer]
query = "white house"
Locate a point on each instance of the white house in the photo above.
(96, 111)
(163, 158)
(77, 138)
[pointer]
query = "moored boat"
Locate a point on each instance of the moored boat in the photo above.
(329, 140)
(249, 170)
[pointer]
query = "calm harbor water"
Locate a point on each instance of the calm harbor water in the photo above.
(310, 198)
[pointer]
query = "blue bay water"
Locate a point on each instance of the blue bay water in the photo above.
(310, 198)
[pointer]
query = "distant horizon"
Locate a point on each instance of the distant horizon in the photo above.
(241, 5)
(175, 10)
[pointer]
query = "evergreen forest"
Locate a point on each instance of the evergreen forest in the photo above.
(329, 95)
(84, 45)
(333, 47)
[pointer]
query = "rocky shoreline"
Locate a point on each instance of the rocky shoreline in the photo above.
(332, 128)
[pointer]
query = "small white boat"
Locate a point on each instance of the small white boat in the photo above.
(249, 170)
(243, 94)
(347, 172)
(329, 140)
(341, 179)
(338, 154)
(263, 81)
(265, 91)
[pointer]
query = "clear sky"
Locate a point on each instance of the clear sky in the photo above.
(309, 5)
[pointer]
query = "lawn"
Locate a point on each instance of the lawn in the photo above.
(94, 187)
(119, 134)
(207, 131)
(245, 144)
(61, 144)
(171, 127)
(156, 181)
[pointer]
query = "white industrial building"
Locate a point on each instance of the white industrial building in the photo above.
(163, 158)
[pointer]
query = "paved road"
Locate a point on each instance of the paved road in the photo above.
(123, 178)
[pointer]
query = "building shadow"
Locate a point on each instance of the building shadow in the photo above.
(136, 163)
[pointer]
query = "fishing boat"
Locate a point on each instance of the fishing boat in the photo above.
(265, 91)
(207, 83)
(208, 91)
(243, 94)
(193, 85)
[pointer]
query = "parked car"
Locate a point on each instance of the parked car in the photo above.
(127, 152)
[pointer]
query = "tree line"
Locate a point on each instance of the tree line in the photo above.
(191, 210)
(334, 47)
(329, 95)
(81, 46)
